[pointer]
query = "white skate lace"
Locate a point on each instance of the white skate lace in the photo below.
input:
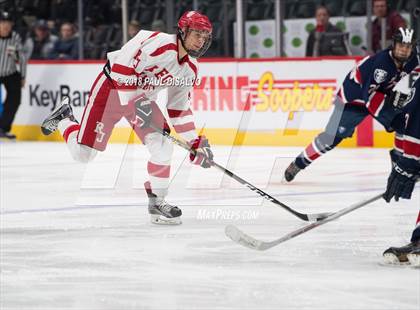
(165, 207)
(52, 125)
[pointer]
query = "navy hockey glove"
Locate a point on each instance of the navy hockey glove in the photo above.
(143, 109)
(401, 182)
(395, 156)
(203, 155)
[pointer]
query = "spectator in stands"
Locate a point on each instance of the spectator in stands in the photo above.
(133, 28)
(325, 39)
(393, 21)
(158, 25)
(42, 42)
(66, 47)
(12, 72)
(52, 27)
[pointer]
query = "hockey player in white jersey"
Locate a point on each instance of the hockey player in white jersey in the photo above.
(127, 87)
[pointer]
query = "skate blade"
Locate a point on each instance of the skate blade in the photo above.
(392, 259)
(45, 131)
(414, 260)
(161, 220)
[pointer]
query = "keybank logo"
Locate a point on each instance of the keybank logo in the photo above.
(39, 96)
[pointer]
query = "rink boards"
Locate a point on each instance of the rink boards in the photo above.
(281, 102)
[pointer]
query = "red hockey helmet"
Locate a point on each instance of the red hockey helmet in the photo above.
(195, 21)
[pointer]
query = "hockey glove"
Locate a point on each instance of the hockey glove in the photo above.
(203, 155)
(395, 156)
(143, 109)
(401, 181)
(397, 99)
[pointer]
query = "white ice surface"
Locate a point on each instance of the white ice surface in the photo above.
(79, 237)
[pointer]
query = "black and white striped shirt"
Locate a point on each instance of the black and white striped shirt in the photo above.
(12, 58)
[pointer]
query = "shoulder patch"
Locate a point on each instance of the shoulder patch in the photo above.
(380, 75)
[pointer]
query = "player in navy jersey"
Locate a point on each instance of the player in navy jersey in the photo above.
(366, 90)
(404, 174)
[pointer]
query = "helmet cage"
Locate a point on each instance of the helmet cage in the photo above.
(182, 34)
(403, 36)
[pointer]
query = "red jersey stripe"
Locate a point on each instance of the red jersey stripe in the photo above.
(179, 113)
(398, 143)
(164, 48)
(117, 68)
(158, 171)
(311, 152)
(358, 76)
(411, 148)
(154, 34)
(69, 130)
(375, 102)
(184, 127)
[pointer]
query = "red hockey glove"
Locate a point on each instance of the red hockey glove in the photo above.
(203, 155)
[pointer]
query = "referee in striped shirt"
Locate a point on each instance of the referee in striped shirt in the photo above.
(12, 72)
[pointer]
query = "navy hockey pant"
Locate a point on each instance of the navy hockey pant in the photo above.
(341, 125)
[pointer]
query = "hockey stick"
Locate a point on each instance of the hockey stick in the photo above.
(242, 238)
(302, 216)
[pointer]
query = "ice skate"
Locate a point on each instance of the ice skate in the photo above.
(165, 213)
(291, 172)
(64, 110)
(162, 212)
(399, 255)
(414, 257)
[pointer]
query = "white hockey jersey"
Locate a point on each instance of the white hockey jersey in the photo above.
(149, 63)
